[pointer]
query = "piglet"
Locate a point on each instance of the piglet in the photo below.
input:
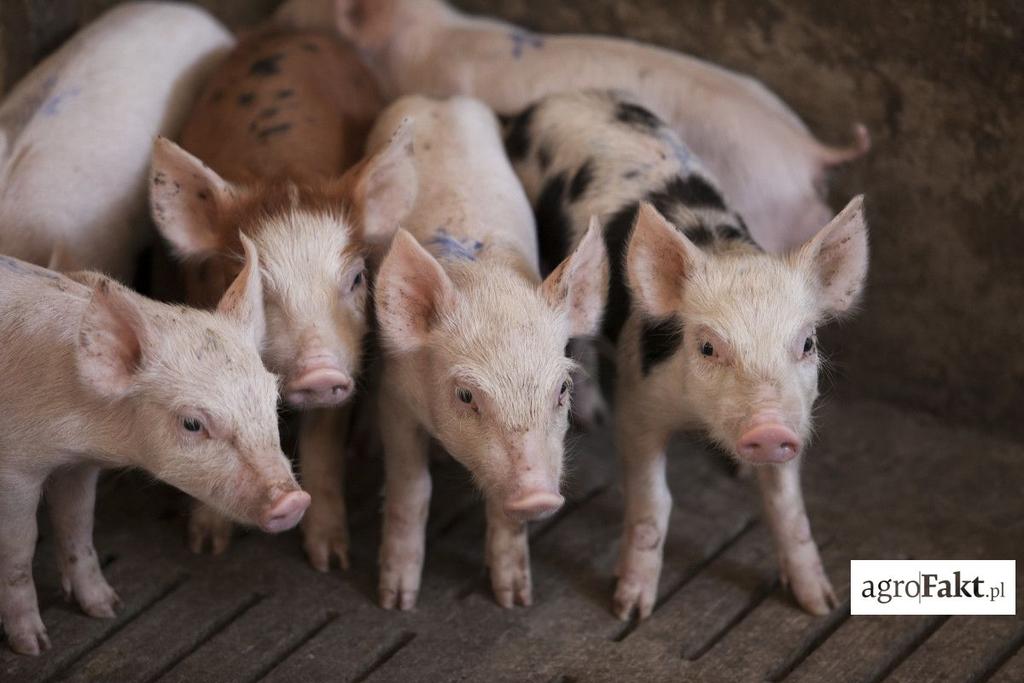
(474, 345)
(767, 161)
(75, 133)
(712, 333)
(96, 376)
(280, 128)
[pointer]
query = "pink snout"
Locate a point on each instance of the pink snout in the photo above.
(319, 388)
(768, 443)
(285, 512)
(533, 505)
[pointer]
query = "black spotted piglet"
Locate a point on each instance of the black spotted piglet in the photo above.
(712, 333)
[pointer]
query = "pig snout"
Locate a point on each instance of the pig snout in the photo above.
(320, 383)
(768, 441)
(284, 512)
(533, 505)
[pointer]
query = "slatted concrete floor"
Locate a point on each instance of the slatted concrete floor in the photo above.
(880, 483)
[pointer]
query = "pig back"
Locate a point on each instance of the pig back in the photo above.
(284, 104)
(76, 132)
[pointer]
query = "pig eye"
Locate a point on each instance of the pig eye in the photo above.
(707, 349)
(808, 345)
(563, 392)
(465, 395)
(192, 424)
(357, 281)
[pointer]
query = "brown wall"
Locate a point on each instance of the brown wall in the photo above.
(941, 86)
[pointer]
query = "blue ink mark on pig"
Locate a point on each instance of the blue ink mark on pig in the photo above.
(522, 40)
(446, 245)
(51, 107)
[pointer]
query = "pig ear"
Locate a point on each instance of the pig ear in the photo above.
(579, 285)
(243, 301)
(659, 258)
(187, 200)
(412, 291)
(110, 339)
(366, 23)
(386, 187)
(838, 257)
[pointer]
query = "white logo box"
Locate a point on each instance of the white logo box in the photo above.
(933, 587)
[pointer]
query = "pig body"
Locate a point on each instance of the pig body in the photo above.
(279, 125)
(75, 133)
(96, 376)
(767, 161)
(474, 345)
(712, 333)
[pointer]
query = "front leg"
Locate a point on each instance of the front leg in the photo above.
(799, 561)
(322, 438)
(206, 523)
(19, 608)
(71, 493)
(507, 555)
(406, 505)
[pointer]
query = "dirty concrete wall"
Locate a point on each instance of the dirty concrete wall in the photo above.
(941, 86)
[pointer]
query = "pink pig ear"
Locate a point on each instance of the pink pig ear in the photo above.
(659, 259)
(187, 200)
(111, 339)
(366, 23)
(243, 301)
(579, 285)
(837, 257)
(386, 186)
(412, 291)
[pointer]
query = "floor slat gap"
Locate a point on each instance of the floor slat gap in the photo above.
(1001, 658)
(385, 656)
(330, 617)
(756, 598)
(832, 622)
(903, 653)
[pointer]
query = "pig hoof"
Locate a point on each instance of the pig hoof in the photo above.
(105, 608)
(29, 639)
(512, 588)
(404, 600)
(812, 591)
(208, 524)
(324, 542)
(631, 597)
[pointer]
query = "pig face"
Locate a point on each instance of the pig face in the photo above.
(203, 406)
(314, 243)
(746, 321)
(491, 348)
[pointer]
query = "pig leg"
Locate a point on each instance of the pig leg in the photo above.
(508, 558)
(648, 505)
(71, 493)
(19, 608)
(589, 408)
(799, 562)
(406, 505)
(322, 438)
(206, 523)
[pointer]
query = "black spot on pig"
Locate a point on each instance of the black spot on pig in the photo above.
(203, 195)
(553, 227)
(267, 66)
(284, 94)
(616, 237)
(631, 174)
(159, 179)
(544, 157)
(266, 133)
(517, 136)
(581, 181)
(699, 235)
(660, 338)
(637, 117)
(691, 192)
(246, 99)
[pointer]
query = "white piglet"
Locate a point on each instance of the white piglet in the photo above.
(96, 376)
(474, 345)
(713, 334)
(76, 133)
